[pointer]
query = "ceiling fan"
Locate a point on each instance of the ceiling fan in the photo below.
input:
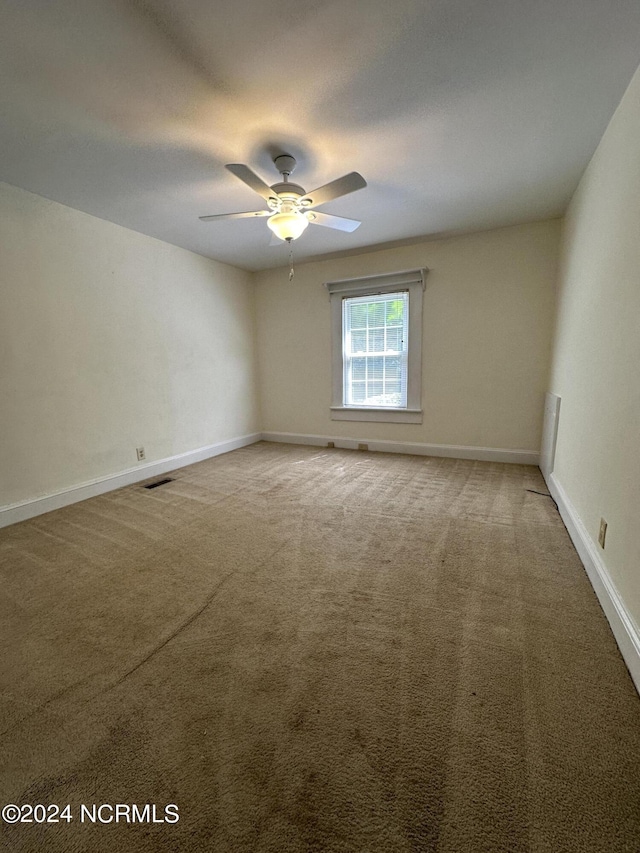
(290, 207)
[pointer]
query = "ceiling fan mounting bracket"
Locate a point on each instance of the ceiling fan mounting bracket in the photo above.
(285, 164)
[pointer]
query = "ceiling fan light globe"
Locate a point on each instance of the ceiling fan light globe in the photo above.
(288, 225)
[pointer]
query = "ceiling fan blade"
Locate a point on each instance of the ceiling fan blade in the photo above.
(249, 215)
(330, 221)
(341, 186)
(252, 180)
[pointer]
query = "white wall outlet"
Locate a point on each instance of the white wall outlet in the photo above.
(602, 535)
(140, 453)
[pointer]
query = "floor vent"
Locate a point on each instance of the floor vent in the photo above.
(159, 483)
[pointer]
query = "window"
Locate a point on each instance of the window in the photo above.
(375, 337)
(377, 347)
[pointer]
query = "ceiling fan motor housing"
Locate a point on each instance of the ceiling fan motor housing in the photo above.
(287, 188)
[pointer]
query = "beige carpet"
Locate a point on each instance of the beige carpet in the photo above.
(315, 650)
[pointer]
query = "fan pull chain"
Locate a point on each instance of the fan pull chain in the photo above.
(291, 272)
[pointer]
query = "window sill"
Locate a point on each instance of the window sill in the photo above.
(398, 416)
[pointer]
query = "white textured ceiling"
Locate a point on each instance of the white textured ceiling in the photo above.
(461, 114)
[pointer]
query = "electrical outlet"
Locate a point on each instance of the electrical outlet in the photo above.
(363, 447)
(603, 532)
(140, 453)
(331, 444)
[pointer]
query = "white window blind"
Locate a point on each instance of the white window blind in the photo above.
(375, 356)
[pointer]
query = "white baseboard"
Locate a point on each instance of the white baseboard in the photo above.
(29, 509)
(454, 451)
(625, 630)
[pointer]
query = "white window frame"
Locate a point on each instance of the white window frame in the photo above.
(411, 281)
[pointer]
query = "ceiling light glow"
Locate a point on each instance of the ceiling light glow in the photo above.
(288, 225)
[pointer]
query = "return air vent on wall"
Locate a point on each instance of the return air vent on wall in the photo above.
(159, 483)
(549, 434)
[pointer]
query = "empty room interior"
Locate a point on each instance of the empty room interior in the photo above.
(320, 508)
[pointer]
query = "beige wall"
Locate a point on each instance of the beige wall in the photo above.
(596, 364)
(488, 320)
(110, 340)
